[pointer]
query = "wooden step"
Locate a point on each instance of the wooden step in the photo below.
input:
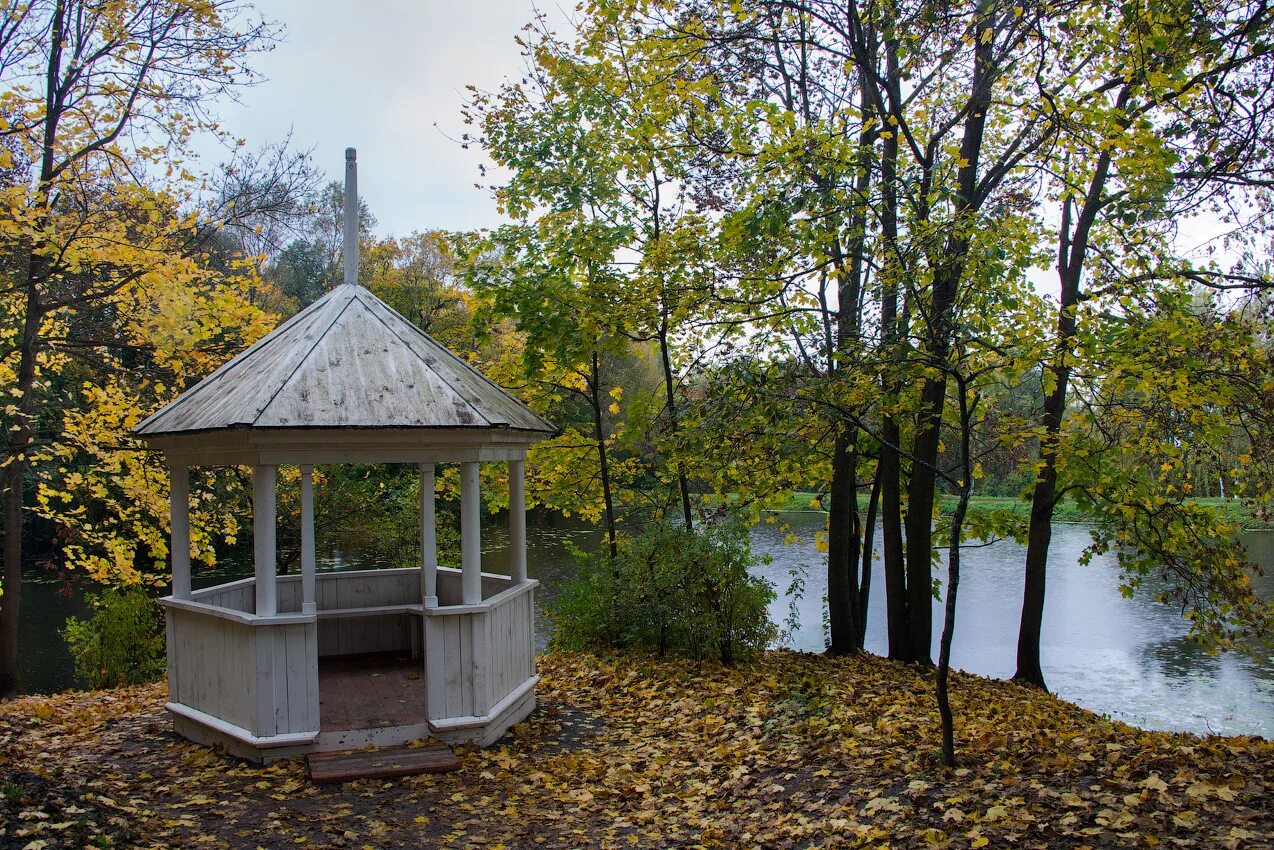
(379, 764)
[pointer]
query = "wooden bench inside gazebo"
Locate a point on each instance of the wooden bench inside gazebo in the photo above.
(273, 666)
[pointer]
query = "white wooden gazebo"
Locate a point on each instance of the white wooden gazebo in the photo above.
(348, 380)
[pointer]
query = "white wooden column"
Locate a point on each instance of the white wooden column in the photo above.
(428, 538)
(517, 521)
(470, 535)
(264, 521)
(179, 522)
(308, 604)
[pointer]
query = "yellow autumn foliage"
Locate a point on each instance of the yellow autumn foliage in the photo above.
(790, 751)
(103, 488)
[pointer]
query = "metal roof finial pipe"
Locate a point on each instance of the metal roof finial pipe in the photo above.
(351, 216)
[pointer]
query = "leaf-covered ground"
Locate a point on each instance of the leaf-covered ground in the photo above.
(793, 751)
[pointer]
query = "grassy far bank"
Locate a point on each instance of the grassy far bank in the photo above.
(1067, 511)
(793, 750)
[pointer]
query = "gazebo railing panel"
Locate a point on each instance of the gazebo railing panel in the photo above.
(287, 678)
(288, 589)
(353, 635)
(257, 677)
(449, 590)
(236, 595)
(368, 589)
(212, 665)
(511, 645)
(476, 656)
(353, 619)
(450, 661)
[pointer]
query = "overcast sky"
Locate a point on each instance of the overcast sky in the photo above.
(387, 77)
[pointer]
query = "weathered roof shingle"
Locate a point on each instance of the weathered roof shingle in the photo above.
(346, 361)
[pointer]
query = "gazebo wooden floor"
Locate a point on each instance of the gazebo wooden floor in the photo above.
(370, 692)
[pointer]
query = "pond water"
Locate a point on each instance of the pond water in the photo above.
(1126, 658)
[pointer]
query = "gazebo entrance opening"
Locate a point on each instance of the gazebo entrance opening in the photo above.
(371, 619)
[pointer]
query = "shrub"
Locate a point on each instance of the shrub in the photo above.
(669, 590)
(121, 643)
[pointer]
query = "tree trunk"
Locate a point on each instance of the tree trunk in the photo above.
(869, 538)
(843, 541)
(948, 270)
(15, 483)
(953, 573)
(19, 440)
(948, 626)
(670, 400)
(1039, 535)
(889, 466)
(1072, 248)
(921, 491)
(842, 551)
(13, 475)
(599, 434)
(665, 358)
(891, 550)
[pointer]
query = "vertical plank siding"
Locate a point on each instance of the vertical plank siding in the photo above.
(448, 586)
(511, 648)
(463, 657)
(362, 635)
(435, 667)
(474, 660)
(236, 596)
(287, 678)
(449, 590)
(357, 635)
(255, 676)
(369, 588)
(261, 674)
(289, 590)
(213, 666)
(493, 583)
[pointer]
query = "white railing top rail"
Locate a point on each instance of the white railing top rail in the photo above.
(330, 575)
(198, 604)
(502, 598)
(244, 617)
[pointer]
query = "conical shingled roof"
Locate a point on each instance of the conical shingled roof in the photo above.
(346, 361)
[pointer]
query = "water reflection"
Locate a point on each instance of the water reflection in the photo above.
(44, 664)
(1128, 658)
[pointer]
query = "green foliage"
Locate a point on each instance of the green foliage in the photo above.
(671, 591)
(1192, 383)
(372, 508)
(122, 643)
(311, 264)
